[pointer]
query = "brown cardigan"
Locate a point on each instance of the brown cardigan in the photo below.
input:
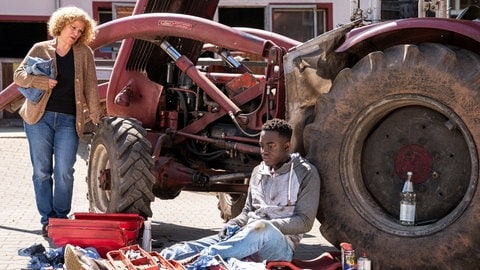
(86, 85)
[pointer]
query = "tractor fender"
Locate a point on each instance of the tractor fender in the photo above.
(461, 33)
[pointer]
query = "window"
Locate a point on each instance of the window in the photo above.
(456, 6)
(300, 22)
(104, 12)
(399, 9)
(120, 10)
(251, 17)
(21, 36)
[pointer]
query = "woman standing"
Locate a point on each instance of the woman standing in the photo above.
(54, 124)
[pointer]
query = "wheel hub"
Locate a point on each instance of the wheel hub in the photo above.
(416, 159)
(416, 139)
(104, 180)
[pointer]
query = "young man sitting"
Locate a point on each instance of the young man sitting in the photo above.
(281, 206)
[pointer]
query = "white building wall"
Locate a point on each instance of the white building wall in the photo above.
(27, 7)
(46, 7)
(87, 4)
(341, 8)
(341, 12)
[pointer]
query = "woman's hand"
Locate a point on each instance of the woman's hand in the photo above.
(51, 84)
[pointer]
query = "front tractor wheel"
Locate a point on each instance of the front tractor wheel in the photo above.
(408, 108)
(120, 179)
(230, 204)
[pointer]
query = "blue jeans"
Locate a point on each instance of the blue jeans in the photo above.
(53, 143)
(259, 240)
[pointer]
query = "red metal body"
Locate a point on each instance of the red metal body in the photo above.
(156, 26)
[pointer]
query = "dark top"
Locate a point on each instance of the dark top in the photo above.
(62, 99)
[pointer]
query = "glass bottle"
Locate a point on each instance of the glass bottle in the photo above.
(147, 236)
(407, 202)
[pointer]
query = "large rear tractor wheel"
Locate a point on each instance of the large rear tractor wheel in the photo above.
(120, 179)
(409, 108)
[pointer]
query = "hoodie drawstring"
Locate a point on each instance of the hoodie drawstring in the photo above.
(289, 203)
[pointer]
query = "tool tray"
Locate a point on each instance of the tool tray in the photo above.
(135, 258)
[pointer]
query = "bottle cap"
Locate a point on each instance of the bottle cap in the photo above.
(346, 246)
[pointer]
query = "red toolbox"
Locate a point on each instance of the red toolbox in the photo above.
(104, 232)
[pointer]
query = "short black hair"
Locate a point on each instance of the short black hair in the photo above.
(279, 125)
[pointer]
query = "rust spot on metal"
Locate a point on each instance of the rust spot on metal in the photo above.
(176, 24)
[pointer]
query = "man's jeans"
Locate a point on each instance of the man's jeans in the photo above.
(259, 240)
(53, 136)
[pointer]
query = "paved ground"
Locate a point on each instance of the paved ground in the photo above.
(189, 216)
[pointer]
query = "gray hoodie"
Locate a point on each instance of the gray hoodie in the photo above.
(287, 197)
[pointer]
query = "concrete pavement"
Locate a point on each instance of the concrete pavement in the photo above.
(189, 216)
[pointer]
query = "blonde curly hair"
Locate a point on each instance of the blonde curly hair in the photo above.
(67, 15)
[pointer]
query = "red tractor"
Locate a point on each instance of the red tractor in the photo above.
(368, 104)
